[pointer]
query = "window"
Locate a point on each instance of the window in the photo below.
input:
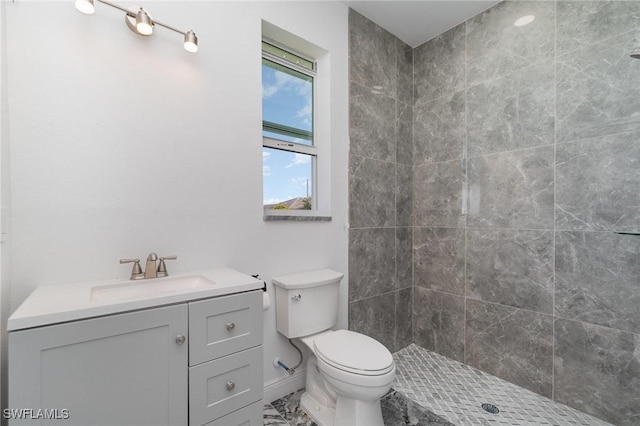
(289, 154)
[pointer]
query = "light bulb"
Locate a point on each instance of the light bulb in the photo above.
(190, 42)
(144, 24)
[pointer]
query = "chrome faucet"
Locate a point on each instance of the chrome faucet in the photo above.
(150, 270)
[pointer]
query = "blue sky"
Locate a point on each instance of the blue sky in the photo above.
(288, 100)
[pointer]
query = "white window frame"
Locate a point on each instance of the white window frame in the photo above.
(311, 150)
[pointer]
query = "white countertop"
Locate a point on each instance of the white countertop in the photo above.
(61, 303)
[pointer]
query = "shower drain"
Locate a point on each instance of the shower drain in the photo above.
(490, 408)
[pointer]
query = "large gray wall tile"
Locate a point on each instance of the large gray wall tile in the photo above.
(439, 129)
(438, 194)
(372, 191)
(486, 118)
(404, 257)
(372, 265)
(404, 195)
(438, 259)
(404, 64)
(380, 182)
(581, 23)
(372, 55)
(404, 133)
(597, 370)
(512, 189)
(598, 183)
(439, 65)
(513, 344)
(372, 130)
(597, 90)
(373, 317)
(598, 279)
(438, 322)
(511, 267)
(513, 111)
(404, 318)
(495, 46)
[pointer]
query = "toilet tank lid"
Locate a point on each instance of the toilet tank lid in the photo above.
(307, 279)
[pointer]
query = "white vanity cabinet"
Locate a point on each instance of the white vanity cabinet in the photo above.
(120, 369)
(225, 359)
(196, 363)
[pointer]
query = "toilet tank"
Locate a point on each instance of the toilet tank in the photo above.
(307, 302)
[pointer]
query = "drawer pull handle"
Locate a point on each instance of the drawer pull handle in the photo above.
(230, 386)
(230, 326)
(180, 339)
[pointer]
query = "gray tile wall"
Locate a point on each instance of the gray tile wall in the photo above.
(380, 184)
(525, 159)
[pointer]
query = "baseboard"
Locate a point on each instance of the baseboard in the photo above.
(280, 387)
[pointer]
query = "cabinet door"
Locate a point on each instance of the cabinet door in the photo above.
(126, 369)
(218, 387)
(224, 325)
(251, 415)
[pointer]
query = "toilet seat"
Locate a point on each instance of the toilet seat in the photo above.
(354, 353)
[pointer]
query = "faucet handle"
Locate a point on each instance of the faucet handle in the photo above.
(136, 271)
(162, 268)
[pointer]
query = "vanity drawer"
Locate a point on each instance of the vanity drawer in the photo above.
(224, 325)
(247, 416)
(219, 387)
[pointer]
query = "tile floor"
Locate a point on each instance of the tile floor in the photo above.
(396, 410)
(431, 389)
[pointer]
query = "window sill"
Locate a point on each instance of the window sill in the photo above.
(298, 216)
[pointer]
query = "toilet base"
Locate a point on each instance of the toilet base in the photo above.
(321, 415)
(358, 412)
(348, 412)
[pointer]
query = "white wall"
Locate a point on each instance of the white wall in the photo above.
(4, 199)
(122, 145)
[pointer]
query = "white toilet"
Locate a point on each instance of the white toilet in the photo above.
(348, 372)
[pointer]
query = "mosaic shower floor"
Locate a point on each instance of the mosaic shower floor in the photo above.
(431, 389)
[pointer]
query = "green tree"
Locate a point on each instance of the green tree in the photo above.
(306, 203)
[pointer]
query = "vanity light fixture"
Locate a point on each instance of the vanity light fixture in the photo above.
(139, 21)
(142, 24)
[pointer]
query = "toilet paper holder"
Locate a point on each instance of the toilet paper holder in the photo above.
(264, 286)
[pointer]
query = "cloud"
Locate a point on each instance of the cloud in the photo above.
(299, 159)
(269, 91)
(287, 83)
(299, 182)
(305, 113)
(266, 170)
(272, 201)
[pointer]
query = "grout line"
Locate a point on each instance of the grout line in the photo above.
(553, 243)
(395, 207)
(465, 194)
(413, 168)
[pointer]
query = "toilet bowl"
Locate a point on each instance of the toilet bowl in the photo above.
(347, 372)
(347, 375)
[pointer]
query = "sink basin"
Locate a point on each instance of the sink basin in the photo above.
(151, 288)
